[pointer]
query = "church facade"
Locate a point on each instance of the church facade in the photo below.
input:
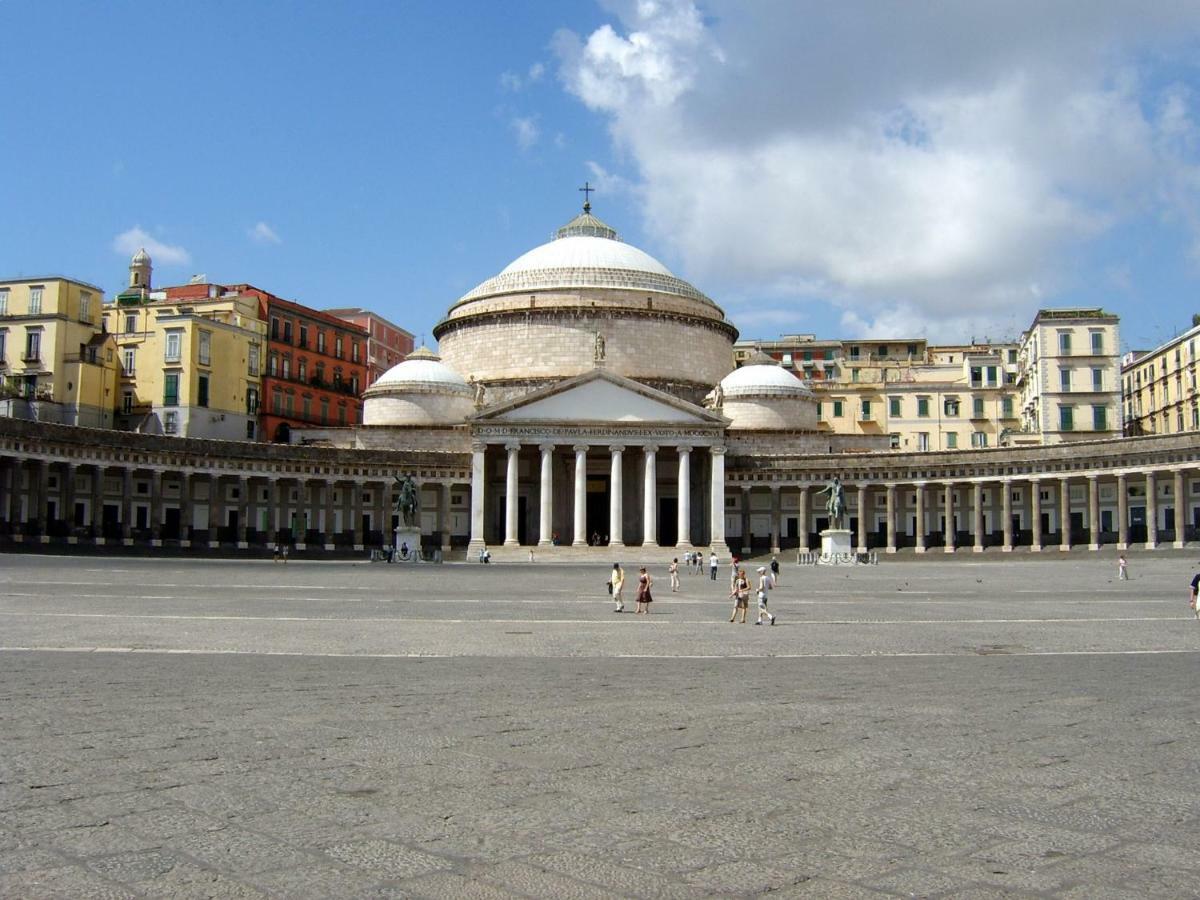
(586, 395)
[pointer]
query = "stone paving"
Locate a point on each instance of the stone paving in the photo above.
(952, 728)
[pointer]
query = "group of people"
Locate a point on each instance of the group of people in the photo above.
(768, 579)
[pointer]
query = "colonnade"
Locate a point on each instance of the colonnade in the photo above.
(648, 533)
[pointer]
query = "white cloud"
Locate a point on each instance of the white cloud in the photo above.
(918, 168)
(526, 130)
(511, 81)
(262, 233)
(129, 242)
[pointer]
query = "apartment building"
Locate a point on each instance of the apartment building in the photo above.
(58, 364)
(1158, 387)
(387, 343)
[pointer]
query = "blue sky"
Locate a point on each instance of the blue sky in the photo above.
(882, 168)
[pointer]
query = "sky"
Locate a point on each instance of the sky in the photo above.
(859, 169)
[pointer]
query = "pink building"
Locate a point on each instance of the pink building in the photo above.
(388, 343)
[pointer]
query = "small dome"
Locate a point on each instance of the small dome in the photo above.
(763, 381)
(141, 258)
(422, 367)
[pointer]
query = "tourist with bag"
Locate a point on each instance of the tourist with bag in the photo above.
(616, 586)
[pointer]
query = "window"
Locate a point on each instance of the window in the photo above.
(205, 349)
(174, 342)
(33, 345)
(854, 352)
(320, 342)
(864, 410)
(1064, 342)
(306, 407)
(202, 390)
(1064, 378)
(319, 377)
(787, 360)
(1012, 357)
(286, 371)
(287, 332)
(273, 364)
(274, 328)
(1097, 343)
(337, 346)
(129, 360)
(354, 385)
(3, 345)
(854, 373)
(837, 409)
(1100, 418)
(922, 440)
(1066, 418)
(819, 411)
(893, 406)
(951, 440)
(250, 430)
(131, 323)
(35, 301)
(170, 422)
(277, 402)
(923, 407)
(894, 441)
(976, 376)
(252, 360)
(324, 410)
(1097, 379)
(808, 356)
(341, 415)
(127, 402)
(1006, 407)
(912, 350)
(950, 407)
(303, 335)
(287, 404)
(302, 370)
(171, 389)
(252, 401)
(85, 307)
(979, 439)
(354, 351)
(4, 302)
(977, 407)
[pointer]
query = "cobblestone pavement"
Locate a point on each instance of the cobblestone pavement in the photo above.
(957, 728)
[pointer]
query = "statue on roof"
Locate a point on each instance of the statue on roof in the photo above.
(480, 391)
(409, 500)
(600, 348)
(836, 504)
(715, 398)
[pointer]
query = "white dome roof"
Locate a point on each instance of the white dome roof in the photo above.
(763, 380)
(421, 367)
(140, 258)
(586, 253)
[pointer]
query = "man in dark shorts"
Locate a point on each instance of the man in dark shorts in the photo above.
(1195, 603)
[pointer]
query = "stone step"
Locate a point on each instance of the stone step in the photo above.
(626, 556)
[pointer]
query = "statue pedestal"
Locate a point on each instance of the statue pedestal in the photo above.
(836, 545)
(410, 536)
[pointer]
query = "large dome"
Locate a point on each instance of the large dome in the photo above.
(583, 299)
(763, 381)
(422, 390)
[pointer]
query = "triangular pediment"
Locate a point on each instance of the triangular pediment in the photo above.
(600, 396)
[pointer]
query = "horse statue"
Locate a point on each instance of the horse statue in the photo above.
(836, 504)
(409, 501)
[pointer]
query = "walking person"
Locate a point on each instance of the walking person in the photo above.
(712, 565)
(764, 585)
(1195, 603)
(774, 571)
(674, 570)
(1122, 568)
(740, 592)
(616, 584)
(644, 599)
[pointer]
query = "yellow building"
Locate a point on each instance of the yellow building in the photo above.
(1159, 387)
(190, 360)
(58, 365)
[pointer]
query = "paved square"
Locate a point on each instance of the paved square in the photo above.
(965, 728)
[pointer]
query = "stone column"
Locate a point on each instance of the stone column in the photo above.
(156, 517)
(803, 510)
(98, 503)
(68, 500)
(581, 537)
(127, 505)
(616, 497)
(1122, 512)
(1180, 509)
(1151, 511)
(717, 499)
(977, 514)
(478, 476)
(775, 514)
(891, 519)
(1035, 502)
(948, 512)
(863, 497)
(356, 510)
(1064, 514)
(14, 495)
(380, 511)
(443, 516)
(746, 545)
(330, 490)
(39, 509)
(510, 494)
(1006, 513)
(1093, 512)
(243, 512)
(214, 510)
(650, 496)
(685, 498)
(546, 495)
(920, 535)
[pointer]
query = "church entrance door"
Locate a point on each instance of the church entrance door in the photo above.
(597, 507)
(668, 521)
